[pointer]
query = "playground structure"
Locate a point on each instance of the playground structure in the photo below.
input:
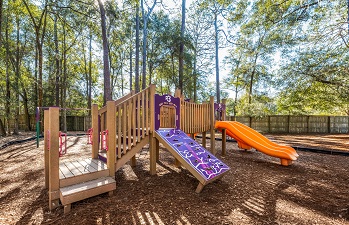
(120, 130)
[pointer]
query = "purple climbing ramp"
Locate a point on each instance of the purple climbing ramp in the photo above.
(195, 156)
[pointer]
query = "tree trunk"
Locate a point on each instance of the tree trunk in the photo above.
(181, 50)
(26, 110)
(107, 88)
(64, 87)
(144, 53)
(1, 3)
(218, 91)
(252, 79)
(16, 83)
(2, 129)
(130, 80)
(8, 91)
(89, 88)
(57, 61)
(137, 49)
(145, 34)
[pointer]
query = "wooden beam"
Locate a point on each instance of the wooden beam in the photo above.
(95, 144)
(46, 147)
(111, 127)
(152, 141)
(212, 123)
(53, 157)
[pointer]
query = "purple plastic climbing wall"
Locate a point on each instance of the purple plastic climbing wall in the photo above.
(193, 153)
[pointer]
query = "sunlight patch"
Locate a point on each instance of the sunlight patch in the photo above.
(290, 211)
(237, 215)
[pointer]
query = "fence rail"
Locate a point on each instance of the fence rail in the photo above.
(74, 123)
(267, 124)
(296, 124)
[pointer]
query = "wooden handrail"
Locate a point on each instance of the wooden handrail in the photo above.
(104, 108)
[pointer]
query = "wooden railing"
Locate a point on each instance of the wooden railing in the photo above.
(132, 121)
(195, 118)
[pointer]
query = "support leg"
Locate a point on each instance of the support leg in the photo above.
(199, 188)
(133, 161)
(67, 208)
(157, 149)
(177, 163)
(152, 149)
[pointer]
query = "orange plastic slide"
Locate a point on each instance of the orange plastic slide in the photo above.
(248, 138)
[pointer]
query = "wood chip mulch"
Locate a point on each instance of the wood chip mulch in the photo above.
(257, 189)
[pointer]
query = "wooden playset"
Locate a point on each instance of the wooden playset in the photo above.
(120, 130)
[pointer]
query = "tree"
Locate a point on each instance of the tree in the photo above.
(106, 70)
(181, 49)
(145, 17)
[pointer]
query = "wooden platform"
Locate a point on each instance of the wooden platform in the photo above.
(82, 170)
(85, 190)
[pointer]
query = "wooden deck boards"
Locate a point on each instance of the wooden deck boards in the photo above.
(80, 167)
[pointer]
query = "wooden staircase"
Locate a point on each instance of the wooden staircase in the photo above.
(127, 124)
(83, 179)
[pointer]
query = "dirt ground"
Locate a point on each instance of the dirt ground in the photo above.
(257, 189)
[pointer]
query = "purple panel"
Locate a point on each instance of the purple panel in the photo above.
(219, 107)
(161, 100)
(193, 153)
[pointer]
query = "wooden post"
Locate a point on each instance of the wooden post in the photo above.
(95, 144)
(46, 151)
(224, 131)
(111, 127)
(212, 123)
(152, 141)
(54, 158)
(203, 143)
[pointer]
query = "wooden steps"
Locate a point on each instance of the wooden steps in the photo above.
(80, 191)
(74, 172)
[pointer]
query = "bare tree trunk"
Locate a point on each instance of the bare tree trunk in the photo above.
(2, 129)
(130, 80)
(137, 49)
(26, 109)
(89, 88)
(16, 83)
(252, 80)
(181, 50)
(1, 3)
(218, 91)
(145, 34)
(8, 91)
(57, 60)
(106, 71)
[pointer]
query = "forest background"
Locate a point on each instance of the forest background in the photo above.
(273, 57)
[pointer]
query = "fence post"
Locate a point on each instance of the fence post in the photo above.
(111, 127)
(54, 158)
(224, 131)
(152, 140)
(212, 122)
(95, 133)
(46, 148)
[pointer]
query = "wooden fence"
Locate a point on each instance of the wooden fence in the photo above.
(267, 124)
(296, 124)
(74, 123)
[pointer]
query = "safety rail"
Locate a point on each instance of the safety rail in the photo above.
(195, 118)
(62, 144)
(104, 138)
(132, 121)
(89, 134)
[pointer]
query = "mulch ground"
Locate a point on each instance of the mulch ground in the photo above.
(257, 189)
